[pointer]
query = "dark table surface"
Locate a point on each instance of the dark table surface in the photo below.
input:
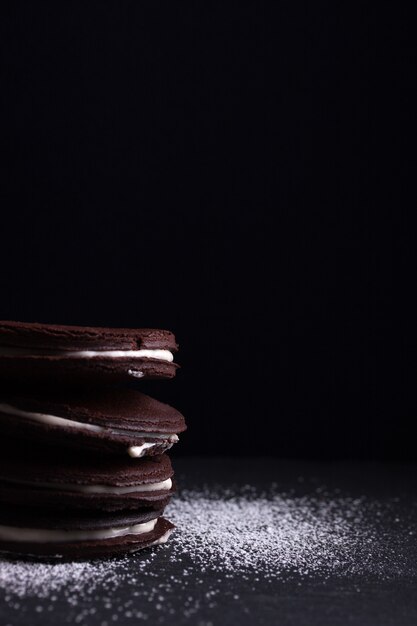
(365, 572)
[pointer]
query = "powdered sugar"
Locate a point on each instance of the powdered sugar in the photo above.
(273, 535)
(227, 538)
(269, 535)
(44, 579)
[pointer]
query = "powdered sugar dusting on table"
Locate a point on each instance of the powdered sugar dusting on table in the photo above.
(239, 533)
(271, 535)
(274, 535)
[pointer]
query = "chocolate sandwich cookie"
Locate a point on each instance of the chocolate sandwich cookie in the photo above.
(34, 353)
(113, 421)
(56, 480)
(33, 533)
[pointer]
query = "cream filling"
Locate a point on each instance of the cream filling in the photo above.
(137, 451)
(54, 420)
(135, 373)
(160, 355)
(41, 535)
(161, 486)
(51, 420)
(163, 539)
(105, 489)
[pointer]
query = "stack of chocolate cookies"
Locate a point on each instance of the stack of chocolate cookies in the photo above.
(83, 469)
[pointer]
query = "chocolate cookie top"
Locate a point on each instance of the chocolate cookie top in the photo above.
(33, 354)
(21, 516)
(61, 337)
(53, 467)
(62, 482)
(111, 421)
(110, 408)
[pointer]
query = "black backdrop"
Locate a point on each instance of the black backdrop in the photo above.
(240, 173)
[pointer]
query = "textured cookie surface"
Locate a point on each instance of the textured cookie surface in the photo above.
(57, 481)
(32, 353)
(111, 421)
(54, 336)
(22, 516)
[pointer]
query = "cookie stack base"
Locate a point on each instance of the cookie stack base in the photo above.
(83, 541)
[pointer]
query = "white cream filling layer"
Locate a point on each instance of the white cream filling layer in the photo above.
(51, 420)
(162, 539)
(54, 420)
(104, 489)
(146, 487)
(137, 451)
(41, 535)
(160, 355)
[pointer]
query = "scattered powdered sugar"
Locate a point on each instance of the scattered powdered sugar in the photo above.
(274, 535)
(225, 539)
(269, 536)
(43, 579)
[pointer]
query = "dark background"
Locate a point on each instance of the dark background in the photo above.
(239, 173)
